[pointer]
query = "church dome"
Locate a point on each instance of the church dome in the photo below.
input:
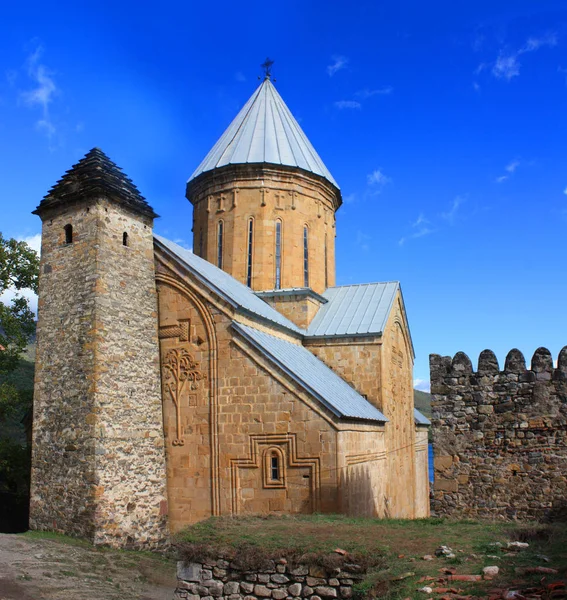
(265, 131)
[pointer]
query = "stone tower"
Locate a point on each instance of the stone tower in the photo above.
(98, 464)
(264, 205)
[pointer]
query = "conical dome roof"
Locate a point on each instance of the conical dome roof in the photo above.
(265, 131)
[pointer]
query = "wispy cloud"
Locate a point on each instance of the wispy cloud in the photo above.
(349, 199)
(451, 215)
(362, 240)
(420, 228)
(42, 94)
(565, 191)
(423, 385)
(507, 65)
(366, 93)
(377, 178)
(510, 168)
(339, 63)
(348, 104)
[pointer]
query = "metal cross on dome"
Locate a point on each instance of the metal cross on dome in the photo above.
(267, 66)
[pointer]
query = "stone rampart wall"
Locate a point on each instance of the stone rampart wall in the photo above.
(277, 579)
(500, 437)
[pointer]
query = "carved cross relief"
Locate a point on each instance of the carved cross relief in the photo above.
(179, 370)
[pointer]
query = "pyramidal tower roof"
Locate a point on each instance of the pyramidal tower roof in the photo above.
(265, 131)
(95, 175)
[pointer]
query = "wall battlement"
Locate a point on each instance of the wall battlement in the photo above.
(500, 437)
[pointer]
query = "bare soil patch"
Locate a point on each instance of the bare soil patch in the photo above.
(42, 567)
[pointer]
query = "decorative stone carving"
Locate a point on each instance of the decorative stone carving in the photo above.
(180, 369)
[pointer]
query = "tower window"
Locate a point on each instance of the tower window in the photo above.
(124, 239)
(306, 256)
(201, 243)
(278, 255)
(219, 244)
(250, 249)
(68, 234)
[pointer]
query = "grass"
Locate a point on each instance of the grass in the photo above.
(392, 550)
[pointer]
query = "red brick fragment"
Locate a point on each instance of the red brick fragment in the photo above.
(465, 578)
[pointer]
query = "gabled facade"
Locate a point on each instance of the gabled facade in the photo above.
(238, 379)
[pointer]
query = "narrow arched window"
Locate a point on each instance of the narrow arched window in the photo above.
(201, 243)
(68, 234)
(326, 271)
(250, 250)
(305, 256)
(274, 468)
(124, 239)
(278, 255)
(220, 234)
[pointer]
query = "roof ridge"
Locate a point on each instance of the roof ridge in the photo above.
(334, 287)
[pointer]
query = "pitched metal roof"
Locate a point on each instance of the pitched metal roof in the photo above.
(312, 374)
(420, 418)
(95, 175)
(234, 292)
(265, 131)
(354, 310)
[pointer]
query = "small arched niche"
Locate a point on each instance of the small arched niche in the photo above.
(68, 229)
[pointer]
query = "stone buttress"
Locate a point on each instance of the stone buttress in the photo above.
(98, 464)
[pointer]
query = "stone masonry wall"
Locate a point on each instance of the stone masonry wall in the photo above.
(98, 464)
(279, 580)
(500, 437)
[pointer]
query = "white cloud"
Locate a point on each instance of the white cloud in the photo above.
(339, 63)
(183, 244)
(377, 178)
(451, 214)
(512, 166)
(352, 104)
(565, 191)
(349, 199)
(43, 92)
(507, 65)
(366, 93)
(33, 241)
(423, 385)
(421, 227)
(362, 240)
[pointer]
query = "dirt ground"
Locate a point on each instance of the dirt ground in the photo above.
(44, 569)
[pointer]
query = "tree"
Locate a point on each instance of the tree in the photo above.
(19, 270)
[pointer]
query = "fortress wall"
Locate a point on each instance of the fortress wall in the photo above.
(500, 437)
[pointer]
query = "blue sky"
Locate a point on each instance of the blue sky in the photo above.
(444, 123)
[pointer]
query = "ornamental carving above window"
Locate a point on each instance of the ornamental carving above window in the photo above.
(180, 371)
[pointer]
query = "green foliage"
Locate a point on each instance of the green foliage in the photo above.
(14, 467)
(422, 401)
(19, 269)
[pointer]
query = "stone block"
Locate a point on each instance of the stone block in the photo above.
(246, 587)
(294, 589)
(231, 587)
(279, 594)
(189, 571)
(345, 591)
(279, 578)
(442, 463)
(446, 485)
(262, 591)
(326, 591)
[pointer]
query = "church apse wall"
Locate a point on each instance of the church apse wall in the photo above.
(500, 437)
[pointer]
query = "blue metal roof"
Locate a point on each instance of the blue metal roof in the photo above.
(420, 418)
(312, 374)
(264, 131)
(354, 310)
(231, 290)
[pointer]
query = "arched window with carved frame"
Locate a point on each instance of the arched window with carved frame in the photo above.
(278, 254)
(250, 252)
(274, 467)
(220, 242)
(305, 256)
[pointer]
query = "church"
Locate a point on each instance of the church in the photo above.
(236, 379)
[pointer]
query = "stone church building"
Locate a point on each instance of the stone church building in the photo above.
(235, 379)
